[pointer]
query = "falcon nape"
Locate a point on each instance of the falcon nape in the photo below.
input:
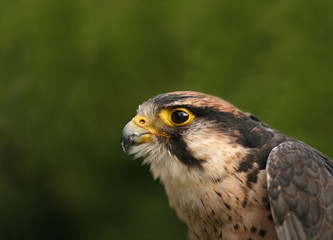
(230, 176)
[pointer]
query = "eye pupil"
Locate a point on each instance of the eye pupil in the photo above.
(179, 117)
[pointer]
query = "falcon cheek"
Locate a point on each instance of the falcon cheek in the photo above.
(202, 142)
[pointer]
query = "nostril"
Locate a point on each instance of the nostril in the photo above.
(140, 121)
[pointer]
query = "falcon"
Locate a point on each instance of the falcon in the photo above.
(227, 174)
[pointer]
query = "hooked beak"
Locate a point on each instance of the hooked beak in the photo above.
(133, 134)
(139, 130)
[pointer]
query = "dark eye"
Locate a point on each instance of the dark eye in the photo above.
(179, 117)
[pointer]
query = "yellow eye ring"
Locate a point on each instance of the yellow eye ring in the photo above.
(176, 116)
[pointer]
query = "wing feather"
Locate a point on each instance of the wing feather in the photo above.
(300, 189)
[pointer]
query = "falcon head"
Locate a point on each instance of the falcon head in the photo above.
(212, 160)
(190, 136)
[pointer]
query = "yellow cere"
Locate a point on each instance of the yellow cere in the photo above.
(149, 126)
(166, 116)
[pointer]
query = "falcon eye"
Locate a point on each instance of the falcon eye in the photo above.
(179, 117)
(175, 117)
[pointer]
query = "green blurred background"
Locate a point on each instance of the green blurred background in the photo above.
(72, 73)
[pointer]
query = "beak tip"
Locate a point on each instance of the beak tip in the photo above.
(123, 146)
(131, 135)
(125, 141)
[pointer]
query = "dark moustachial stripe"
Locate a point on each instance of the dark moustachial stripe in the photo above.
(178, 147)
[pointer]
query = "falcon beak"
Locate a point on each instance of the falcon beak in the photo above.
(135, 132)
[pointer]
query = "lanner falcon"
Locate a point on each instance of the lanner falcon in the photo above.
(230, 176)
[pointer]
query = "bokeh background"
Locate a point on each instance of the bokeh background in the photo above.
(72, 73)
